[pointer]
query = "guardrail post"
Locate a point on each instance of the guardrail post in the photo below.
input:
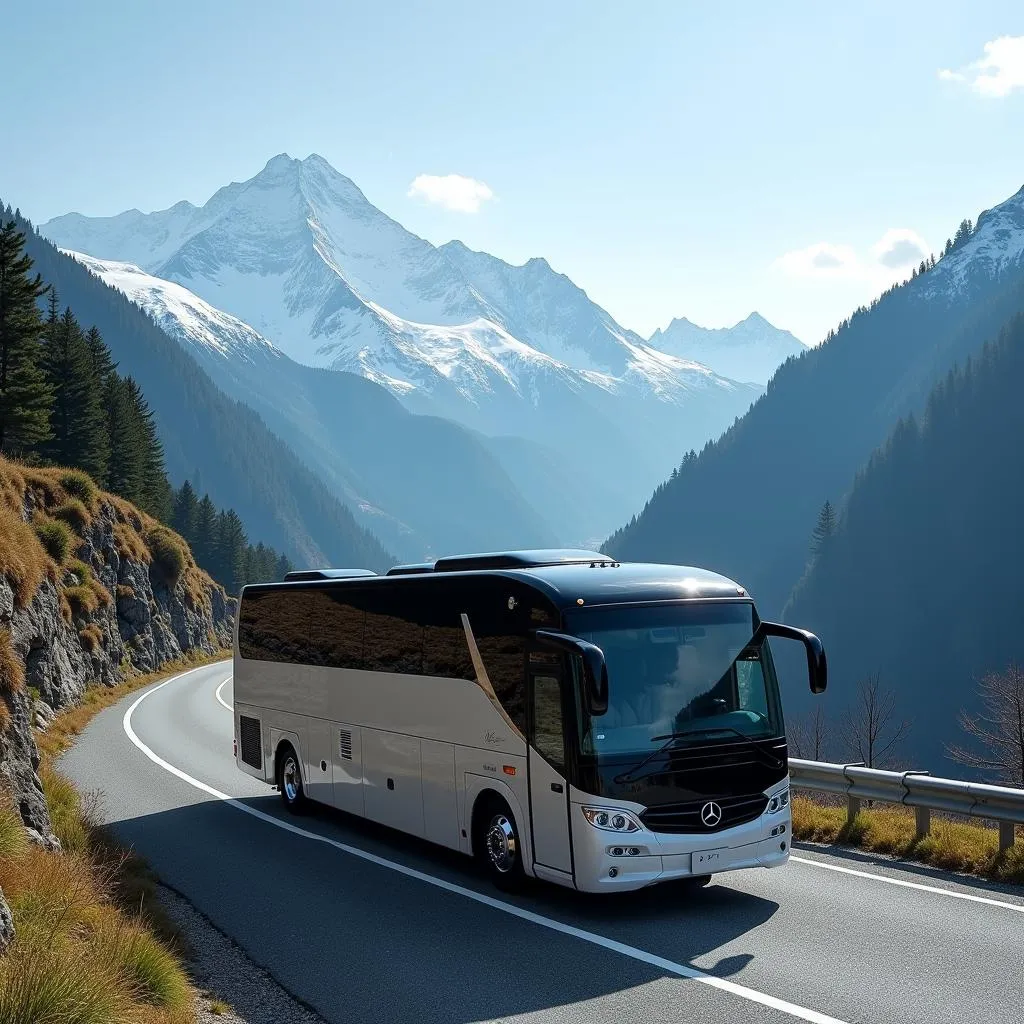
(852, 808)
(1007, 835)
(923, 821)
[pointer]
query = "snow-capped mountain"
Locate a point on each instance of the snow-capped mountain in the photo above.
(995, 248)
(752, 350)
(375, 455)
(300, 256)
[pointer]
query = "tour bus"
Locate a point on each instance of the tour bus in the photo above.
(554, 714)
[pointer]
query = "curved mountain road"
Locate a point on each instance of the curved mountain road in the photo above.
(365, 924)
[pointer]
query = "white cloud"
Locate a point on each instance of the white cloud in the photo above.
(890, 259)
(452, 191)
(998, 72)
(823, 259)
(900, 247)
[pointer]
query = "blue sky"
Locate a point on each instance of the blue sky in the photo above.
(674, 159)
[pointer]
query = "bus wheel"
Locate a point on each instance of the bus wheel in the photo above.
(289, 780)
(497, 844)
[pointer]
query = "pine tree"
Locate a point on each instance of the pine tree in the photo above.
(963, 232)
(232, 543)
(154, 492)
(204, 545)
(103, 364)
(125, 473)
(25, 396)
(186, 512)
(79, 432)
(824, 529)
(284, 566)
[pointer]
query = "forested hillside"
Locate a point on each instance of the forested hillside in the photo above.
(747, 504)
(219, 444)
(63, 403)
(920, 580)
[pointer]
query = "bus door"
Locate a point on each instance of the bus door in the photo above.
(549, 792)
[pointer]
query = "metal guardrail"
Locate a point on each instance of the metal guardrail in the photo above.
(924, 792)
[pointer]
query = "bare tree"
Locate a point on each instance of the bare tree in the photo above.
(808, 735)
(872, 732)
(999, 728)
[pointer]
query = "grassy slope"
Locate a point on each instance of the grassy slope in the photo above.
(951, 845)
(92, 945)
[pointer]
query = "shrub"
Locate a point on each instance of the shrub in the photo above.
(79, 485)
(169, 553)
(81, 569)
(125, 593)
(91, 637)
(151, 971)
(12, 669)
(47, 984)
(71, 818)
(13, 839)
(74, 513)
(82, 599)
(55, 537)
(23, 560)
(129, 544)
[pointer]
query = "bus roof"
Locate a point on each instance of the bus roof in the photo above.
(568, 578)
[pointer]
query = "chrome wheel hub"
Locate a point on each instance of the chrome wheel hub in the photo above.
(290, 779)
(501, 844)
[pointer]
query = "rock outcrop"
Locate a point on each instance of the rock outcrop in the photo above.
(91, 590)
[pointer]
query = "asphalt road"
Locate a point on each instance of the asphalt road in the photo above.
(364, 924)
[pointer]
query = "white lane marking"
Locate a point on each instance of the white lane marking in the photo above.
(668, 966)
(1019, 907)
(217, 693)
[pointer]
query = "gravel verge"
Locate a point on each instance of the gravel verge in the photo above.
(224, 974)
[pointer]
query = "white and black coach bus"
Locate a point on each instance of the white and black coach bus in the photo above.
(552, 713)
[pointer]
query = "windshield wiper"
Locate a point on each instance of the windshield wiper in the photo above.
(670, 737)
(769, 759)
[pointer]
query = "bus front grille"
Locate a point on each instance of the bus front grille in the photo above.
(250, 741)
(689, 816)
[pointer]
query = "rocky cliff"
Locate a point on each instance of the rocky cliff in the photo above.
(91, 591)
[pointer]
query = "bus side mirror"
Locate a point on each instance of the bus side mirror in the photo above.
(817, 663)
(595, 671)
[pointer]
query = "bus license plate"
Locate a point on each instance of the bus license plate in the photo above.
(710, 858)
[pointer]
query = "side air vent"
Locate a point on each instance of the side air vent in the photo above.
(346, 744)
(251, 741)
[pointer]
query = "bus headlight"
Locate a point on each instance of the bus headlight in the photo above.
(778, 802)
(611, 820)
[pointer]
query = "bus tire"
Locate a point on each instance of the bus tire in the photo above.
(497, 844)
(289, 779)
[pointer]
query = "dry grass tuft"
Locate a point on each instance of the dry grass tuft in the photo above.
(952, 845)
(74, 513)
(12, 669)
(79, 485)
(56, 537)
(91, 637)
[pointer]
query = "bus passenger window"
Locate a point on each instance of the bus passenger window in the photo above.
(548, 734)
(336, 631)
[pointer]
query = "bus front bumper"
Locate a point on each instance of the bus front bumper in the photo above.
(607, 862)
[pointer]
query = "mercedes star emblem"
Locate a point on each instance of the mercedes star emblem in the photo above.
(711, 813)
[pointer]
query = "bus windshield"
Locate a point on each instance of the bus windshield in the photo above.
(680, 669)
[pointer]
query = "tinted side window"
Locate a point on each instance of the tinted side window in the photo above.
(445, 650)
(501, 613)
(548, 732)
(392, 635)
(336, 630)
(273, 625)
